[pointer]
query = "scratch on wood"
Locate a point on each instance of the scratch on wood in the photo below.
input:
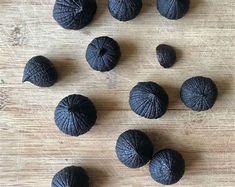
(112, 79)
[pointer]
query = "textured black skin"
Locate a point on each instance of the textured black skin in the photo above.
(166, 55)
(149, 100)
(72, 176)
(134, 149)
(103, 53)
(173, 9)
(124, 10)
(167, 166)
(199, 93)
(74, 14)
(40, 71)
(75, 115)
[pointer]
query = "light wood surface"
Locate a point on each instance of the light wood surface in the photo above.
(32, 149)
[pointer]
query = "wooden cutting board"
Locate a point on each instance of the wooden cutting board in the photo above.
(32, 149)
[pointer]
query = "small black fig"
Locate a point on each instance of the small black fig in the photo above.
(173, 9)
(149, 100)
(166, 55)
(134, 149)
(103, 53)
(167, 166)
(74, 14)
(71, 176)
(199, 93)
(124, 10)
(40, 71)
(75, 115)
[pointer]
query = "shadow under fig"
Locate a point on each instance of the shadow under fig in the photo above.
(65, 68)
(105, 107)
(173, 95)
(223, 86)
(128, 49)
(97, 176)
(102, 7)
(161, 141)
(194, 5)
(148, 6)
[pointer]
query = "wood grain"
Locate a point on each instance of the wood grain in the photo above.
(32, 149)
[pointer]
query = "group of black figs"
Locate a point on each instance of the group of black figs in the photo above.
(76, 14)
(76, 114)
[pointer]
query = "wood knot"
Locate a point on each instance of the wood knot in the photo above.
(3, 99)
(2, 81)
(17, 36)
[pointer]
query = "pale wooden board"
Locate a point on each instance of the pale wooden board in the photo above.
(32, 149)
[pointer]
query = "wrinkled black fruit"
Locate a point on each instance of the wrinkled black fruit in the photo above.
(74, 14)
(134, 149)
(199, 93)
(103, 53)
(167, 166)
(75, 115)
(166, 55)
(124, 10)
(72, 176)
(149, 100)
(173, 9)
(40, 71)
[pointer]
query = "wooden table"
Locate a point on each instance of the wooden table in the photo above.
(33, 149)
